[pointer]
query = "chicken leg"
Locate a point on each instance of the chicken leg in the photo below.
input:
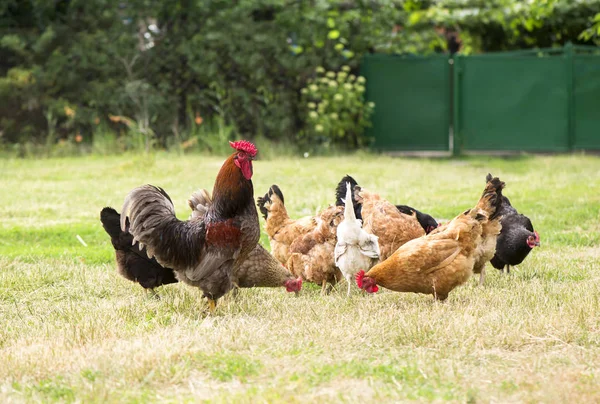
(212, 305)
(481, 276)
(324, 287)
(349, 285)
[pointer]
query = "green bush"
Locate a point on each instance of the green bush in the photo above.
(335, 109)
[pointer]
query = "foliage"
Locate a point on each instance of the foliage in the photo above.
(335, 108)
(240, 63)
(592, 32)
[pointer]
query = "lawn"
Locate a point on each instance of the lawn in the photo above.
(73, 330)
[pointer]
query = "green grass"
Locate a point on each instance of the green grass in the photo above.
(73, 330)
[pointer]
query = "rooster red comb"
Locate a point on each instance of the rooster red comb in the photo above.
(359, 278)
(245, 146)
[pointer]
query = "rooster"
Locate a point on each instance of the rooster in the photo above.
(517, 237)
(427, 222)
(260, 269)
(282, 230)
(205, 250)
(312, 255)
(383, 219)
(355, 248)
(133, 263)
(439, 262)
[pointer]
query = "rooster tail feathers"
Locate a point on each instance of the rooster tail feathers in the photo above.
(145, 202)
(110, 219)
(348, 204)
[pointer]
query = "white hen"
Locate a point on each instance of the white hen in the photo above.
(355, 248)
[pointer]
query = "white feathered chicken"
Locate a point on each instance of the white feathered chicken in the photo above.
(355, 248)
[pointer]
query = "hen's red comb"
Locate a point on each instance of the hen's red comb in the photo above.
(359, 278)
(245, 146)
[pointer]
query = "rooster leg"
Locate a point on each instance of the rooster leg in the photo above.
(324, 287)
(481, 277)
(506, 269)
(212, 305)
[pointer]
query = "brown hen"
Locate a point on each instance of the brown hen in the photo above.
(282, 230)
(383, 219)
(439, 262)
(312, 255)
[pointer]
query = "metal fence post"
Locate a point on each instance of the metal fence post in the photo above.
(569, 57)
(456, 110)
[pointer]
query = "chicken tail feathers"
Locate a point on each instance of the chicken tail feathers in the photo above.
(110, 219)
(491, 199)
(199, 202)
(153, 223)
(341, 196)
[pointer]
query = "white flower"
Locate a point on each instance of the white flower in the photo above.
(333, 116)
(346, 68)
(304, 91)
(330, 75)
(371, 105)
(333, 83)
(351, 77)
(348, 86)
(320, 69)
(359, 88)
(313, 87)
(311, 105)
(313, 114)
(338, 97)
(319, 128)
(306, 154)
(360, 79)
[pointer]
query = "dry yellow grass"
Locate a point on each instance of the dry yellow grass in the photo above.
(72, 330)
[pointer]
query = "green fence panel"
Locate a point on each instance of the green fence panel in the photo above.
(412, 101)
(586, 72)
(512, 102)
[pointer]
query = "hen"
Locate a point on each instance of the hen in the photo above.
(439, 262)
(205, 250)
(355, 248)
(427, 222)
(383, 219)
(260, 269)
(282, 230)
(517, 237)
(133, 263)
(312, 255)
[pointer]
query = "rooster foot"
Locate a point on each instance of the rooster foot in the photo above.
(212, 305)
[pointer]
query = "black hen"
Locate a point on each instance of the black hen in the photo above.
(427, 222)
(133, 263)
(516, 239)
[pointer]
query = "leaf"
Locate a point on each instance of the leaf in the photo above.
(334, 34)
(330, 23)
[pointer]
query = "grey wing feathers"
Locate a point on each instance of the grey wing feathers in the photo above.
(369, 246)
(152, 222)
(340, 249)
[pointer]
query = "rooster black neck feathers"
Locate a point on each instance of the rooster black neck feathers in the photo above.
(232, 192)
